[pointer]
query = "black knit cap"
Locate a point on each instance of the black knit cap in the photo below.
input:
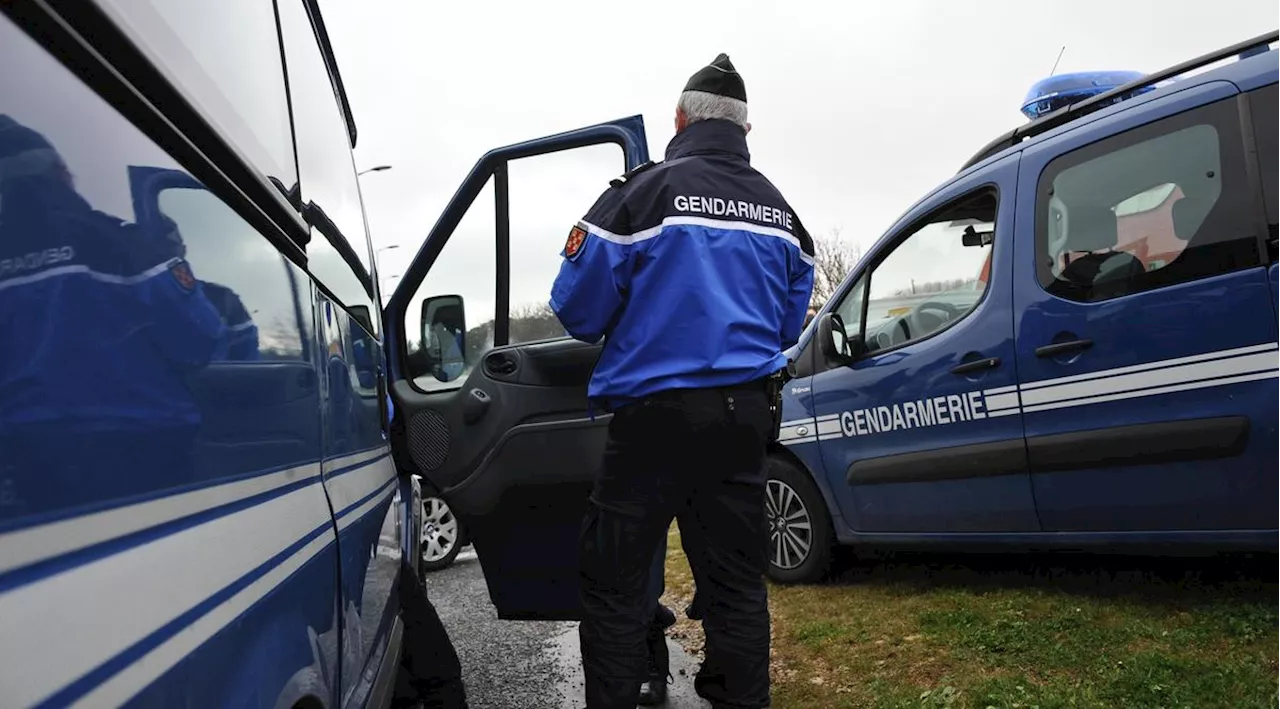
(720, 78)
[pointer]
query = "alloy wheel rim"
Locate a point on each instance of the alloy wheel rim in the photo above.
(439, 529)
(790, 527)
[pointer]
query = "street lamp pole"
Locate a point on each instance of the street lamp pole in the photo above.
(378, 251)
(378, 168)
(377, 262)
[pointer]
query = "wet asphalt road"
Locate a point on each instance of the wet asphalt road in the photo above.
(523, 665)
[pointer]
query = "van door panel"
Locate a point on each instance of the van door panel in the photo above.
(515, 449)
(1150, 401)
(925, 437)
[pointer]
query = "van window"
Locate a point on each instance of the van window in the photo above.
(257, 287)
(161, 333)
(935, 276)
(325, 164)
(1262, 104)
(225, 56)
(1155, 206)
(540, 216)
(449, 323)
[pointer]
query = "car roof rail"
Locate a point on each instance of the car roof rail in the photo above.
(1067, 114)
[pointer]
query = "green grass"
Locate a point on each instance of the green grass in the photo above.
(1022, 632)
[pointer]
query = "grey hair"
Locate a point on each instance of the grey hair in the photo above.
(702, 106)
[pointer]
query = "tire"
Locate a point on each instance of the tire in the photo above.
(442, 533)
(796, 554)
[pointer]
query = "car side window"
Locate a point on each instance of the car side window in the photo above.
(1162, 204)
(931, 278)
(329, 188)
(1262, 106)
(225, 56)
(449, 323)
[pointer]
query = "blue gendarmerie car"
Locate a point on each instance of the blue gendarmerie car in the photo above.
(1070, 344)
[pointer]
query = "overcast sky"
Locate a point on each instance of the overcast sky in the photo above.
(858, 109)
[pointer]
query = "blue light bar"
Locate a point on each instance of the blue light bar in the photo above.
(1055, 92)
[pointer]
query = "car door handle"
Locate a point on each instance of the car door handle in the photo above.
(1058, 348)
(976, 365)
(500, 364)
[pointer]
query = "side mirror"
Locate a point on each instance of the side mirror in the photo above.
(836, 344)
(444, 336)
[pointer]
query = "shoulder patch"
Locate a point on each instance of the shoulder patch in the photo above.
(622, 180)
(181, 272)
(573, 245)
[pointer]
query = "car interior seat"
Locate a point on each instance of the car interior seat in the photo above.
(1213, 246)
(1102, 272)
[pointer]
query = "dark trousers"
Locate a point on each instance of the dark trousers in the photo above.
(696, 456)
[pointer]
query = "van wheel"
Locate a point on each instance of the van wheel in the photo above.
(442, 533)
(799, 527)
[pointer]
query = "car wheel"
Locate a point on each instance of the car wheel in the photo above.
(800, 536)
(442, 533)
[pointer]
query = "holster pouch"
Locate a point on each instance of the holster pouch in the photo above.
(774, 390)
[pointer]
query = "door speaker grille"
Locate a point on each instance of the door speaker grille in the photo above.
(428, 439)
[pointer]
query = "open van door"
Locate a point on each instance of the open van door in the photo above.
(490, 408)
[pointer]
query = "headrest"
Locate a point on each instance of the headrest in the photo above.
(1091, 228)
(1187, 214)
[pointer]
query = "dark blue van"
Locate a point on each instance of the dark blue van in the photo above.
(1070, 344)
(211, 434)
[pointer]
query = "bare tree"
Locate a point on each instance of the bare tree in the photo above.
(834, 258)
(535, 321)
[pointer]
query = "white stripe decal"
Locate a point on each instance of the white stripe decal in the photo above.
(184, 569)
(793, 441)
(829, 426)
(651, 232)
(1150, 378)
(364, 509)
(1201, 371)
(32, 545)
(347, 461)
(1268, 347)
(346, 490)
(1205, 384)
(151, 666)
(1000, 402)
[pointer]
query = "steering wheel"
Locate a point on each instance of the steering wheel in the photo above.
(922, 326)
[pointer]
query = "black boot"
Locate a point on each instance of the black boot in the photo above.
(654, 689)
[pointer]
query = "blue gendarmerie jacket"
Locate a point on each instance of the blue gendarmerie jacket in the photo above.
(695, 270)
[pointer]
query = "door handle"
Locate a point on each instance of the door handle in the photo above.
(1058, 348)
(500, 364)
(976, 365)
